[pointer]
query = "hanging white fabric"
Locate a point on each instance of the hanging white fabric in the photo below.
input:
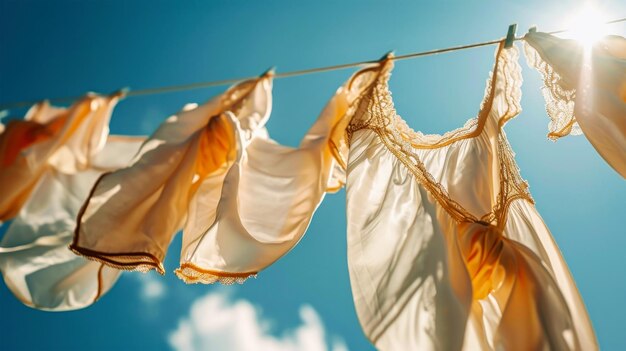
(260, 210)
(57, 168)
(131, 215)
(585, 90)
(445, 248)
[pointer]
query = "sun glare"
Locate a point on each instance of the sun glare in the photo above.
(586, 26)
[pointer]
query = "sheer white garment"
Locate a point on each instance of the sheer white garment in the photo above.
(585, 90)
(58, 153)
(261, 209)
(446, 250)
(132, 214)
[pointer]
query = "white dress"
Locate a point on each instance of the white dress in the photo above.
(585, 90)
(446, 250)
(35, 261)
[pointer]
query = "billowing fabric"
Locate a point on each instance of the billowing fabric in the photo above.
(35, 260)
(446, 250)
(132, 214)
(49, 137)
(242, 200)
(245, 221)
(58, 153)
(585, 90)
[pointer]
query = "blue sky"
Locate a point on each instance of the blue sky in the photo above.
(50, 49)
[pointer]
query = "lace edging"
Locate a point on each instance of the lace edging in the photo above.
(141, 263)
(559, 99)
(381, 96)
(380, 116)
(192, 274)
(513, 80)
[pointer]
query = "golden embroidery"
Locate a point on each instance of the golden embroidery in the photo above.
(376, 112)
(559, 98)
(192, 274)
(512, 186)
(361, 83)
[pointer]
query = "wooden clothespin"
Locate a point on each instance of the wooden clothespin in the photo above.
(269, 72)
(387, 56)
(510, 36)
(121, 93)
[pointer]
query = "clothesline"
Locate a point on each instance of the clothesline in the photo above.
(192, 86)
(86, 205)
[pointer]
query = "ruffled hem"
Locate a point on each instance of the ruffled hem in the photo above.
(134, 261)
(559, 98)
(192, 274)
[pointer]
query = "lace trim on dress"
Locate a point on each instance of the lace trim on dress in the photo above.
(512, 72)
(506, 66)
(377, 113)
(559, 98)
(192, 274)
(140, 262)
(512, 185)
(361, 83)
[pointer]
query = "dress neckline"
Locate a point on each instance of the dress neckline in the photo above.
(473, 127)
(382, 118)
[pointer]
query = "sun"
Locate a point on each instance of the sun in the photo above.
(587, 26)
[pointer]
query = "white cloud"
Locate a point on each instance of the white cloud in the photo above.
(215, 322)
(152, 286)
(339, 344)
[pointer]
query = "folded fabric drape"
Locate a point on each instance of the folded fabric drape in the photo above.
(59, 153)
(49, 137)
(259, 211)
(132, 214)
(585, 90)
(445, 248)
(242, 200)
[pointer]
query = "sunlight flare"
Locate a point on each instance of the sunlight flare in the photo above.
(587, 26)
